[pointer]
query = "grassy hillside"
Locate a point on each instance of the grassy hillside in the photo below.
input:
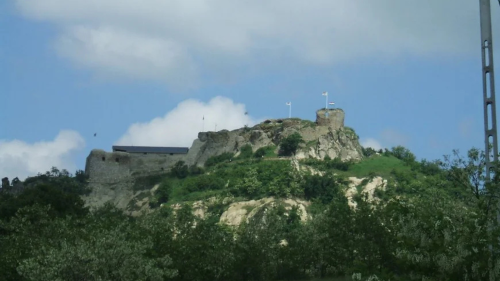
(262, 174)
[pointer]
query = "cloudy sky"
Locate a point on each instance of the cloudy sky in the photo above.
(145, 72)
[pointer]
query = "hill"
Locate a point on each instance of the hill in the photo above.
(282, 211)
(116, 176)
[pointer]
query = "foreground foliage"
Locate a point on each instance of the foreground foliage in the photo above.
(435, 222)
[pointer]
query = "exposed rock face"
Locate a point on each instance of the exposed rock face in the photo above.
(326, 137)
(369, 189)
(240, 211)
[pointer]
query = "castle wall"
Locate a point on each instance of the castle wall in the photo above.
(334, 120)
(111, 167)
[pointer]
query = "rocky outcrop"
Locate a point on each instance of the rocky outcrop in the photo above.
(325, 137)
(244, 210)
(364, 186)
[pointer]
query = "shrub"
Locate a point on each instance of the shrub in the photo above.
(324, 188)
(214, 160)
(204, 182)
(180, 170)
(338, 164)
(260, 152)
(367, 152)
(403, 154)
(196, 170)
(267, 151)
(161, 195)
(290, 144)
(245, 152)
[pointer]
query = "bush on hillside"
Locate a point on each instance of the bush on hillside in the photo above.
(259, 153)
(403, 154)
(214, 160)
(338, 164)
(367, 152)
(196, 170)
(245, 152)
(290, 144)
(180, 170)
(266, 151)
(203, 182)
(161, 195)
(324, 188)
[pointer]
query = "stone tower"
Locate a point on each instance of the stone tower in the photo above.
(334, 120)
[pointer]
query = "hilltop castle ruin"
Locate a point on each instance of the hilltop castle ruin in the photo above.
(326, 136)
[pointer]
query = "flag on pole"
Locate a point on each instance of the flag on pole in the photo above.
(331, 102)
(325, 94)
(289, 103)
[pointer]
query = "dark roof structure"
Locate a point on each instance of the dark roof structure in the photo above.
(151, 149)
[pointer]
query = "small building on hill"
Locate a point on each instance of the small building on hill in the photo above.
(150, 149)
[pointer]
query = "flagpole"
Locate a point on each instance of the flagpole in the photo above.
(203, 126)
(290, 112)
(326, 100)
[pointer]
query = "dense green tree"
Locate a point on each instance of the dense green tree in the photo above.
(62, 203)
(290, 144)
(403, 154)
(323, 188)
(250, 184)
(162, 194)
(368, 151)
(180, 170)
(259, 153)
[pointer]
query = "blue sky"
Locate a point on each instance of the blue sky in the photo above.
(143, 72)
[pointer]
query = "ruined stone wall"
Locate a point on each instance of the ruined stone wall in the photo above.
(112, 167)
(334, 120)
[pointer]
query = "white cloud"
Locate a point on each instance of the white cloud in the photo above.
(180, 126)
(119, 53)
(21, 159)
(178, 39)
(394, 138)
(370, 142)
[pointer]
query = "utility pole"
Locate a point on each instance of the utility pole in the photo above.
(489, 107)
(489, 103)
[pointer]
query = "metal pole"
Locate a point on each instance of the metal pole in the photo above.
(489, 103)
(489, 107)
(290, 111)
